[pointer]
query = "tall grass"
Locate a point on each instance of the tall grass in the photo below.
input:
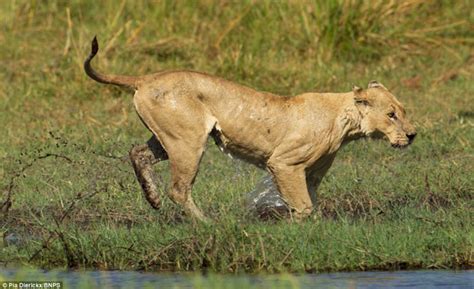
(69, 198)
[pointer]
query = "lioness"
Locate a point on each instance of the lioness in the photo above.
(294, 138)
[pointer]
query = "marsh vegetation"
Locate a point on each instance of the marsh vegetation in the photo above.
(69, 197)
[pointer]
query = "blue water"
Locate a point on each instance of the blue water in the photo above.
(354, 280)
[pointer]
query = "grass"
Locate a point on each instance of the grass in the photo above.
(68, 190)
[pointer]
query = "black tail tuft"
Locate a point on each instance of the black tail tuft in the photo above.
(94, 46)
(121, 80)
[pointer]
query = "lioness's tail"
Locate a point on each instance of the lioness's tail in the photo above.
(124, 81)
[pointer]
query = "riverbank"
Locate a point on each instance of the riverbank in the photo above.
(233, 247)
(105, 226)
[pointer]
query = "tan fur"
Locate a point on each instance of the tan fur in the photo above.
(295, 139)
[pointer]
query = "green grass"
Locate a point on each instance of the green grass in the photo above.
(65, 139)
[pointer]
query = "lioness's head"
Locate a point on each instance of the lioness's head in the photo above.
(383, 115)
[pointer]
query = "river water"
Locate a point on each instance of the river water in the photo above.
(439, 279)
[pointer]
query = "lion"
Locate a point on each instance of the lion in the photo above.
(294, 138)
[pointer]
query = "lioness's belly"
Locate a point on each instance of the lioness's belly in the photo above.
(241, 148)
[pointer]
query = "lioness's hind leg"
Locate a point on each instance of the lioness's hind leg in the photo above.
(184, 162)
(143, 157)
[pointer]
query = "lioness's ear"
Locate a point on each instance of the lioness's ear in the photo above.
(356, 89)
(375, 83)
(359, 96)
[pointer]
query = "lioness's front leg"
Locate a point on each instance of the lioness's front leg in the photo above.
(291, 182)
(315, 175)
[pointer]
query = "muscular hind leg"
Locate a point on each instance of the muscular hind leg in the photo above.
(184, 162)
(182, 124)
(143, 157)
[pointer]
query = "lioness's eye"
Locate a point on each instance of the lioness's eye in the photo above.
(392, 115)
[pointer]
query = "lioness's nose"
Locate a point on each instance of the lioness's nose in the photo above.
(411, 137)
